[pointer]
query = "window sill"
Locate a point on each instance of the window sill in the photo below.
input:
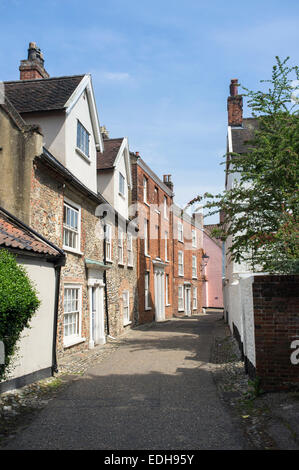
(122, 196)
(167, 305)
(73, 341)
(147, 256)
(181, 241)
(195, 278)
(109, 261)
(146, 203)
(121, 264)
(130, 266)
(147, 309)
(181, 275)
(72, 250)
(180, 310)
(83, 155)
(128, 323)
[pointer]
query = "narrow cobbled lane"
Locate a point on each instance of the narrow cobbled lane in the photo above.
(156, 391)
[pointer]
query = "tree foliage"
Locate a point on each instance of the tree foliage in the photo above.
(260, 211)
(18, 302)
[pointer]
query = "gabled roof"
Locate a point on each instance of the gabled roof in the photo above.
(113, 151)
(45, 94)
(106, 159)
(17, 236)
(240, 135)
(54, 94)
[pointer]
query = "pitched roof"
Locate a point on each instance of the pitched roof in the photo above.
(106, 159)
(240, 135)
(16, 235)
(46, 94)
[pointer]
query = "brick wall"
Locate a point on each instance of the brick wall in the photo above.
(276, 318)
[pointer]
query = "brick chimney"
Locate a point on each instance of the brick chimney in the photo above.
(168, 182)
(234, 105)
(33, 67)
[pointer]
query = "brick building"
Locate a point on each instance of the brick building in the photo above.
(187, 262)
(53, 186)
(152, 201)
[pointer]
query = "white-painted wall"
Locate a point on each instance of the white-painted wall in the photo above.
(53, 130)
(83, 168)
(121, 202)
(35, 346)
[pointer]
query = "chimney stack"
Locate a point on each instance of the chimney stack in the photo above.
(234, 105)
(168, 182)
(33, 67)
(104, 132)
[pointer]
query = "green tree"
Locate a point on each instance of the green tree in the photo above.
(18, 302)
(261, 210)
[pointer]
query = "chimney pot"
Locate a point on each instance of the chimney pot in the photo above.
(33, 67)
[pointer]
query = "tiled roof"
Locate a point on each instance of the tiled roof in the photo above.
(46, 94)
(106, 159)
(15, 235)
(240, 135)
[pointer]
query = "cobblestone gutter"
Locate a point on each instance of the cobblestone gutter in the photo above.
(269, 421)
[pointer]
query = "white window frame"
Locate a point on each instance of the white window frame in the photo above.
(120, 245)
(69, 340)
(194, 238)
(108, 237)
(146, 290)
(126, 308)
(167, 290)
(121, 184)
(166, 245)
(180, 232)
(194, 266)
(76, 208)
(145, 189)
(146, 247)
(181, 303)
(194, 304)
(180, 263)
(130, 249)
(165, 208)
(82, 144)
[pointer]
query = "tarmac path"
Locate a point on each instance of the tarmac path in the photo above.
(155, 392)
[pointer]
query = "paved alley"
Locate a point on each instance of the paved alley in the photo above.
(156, 391)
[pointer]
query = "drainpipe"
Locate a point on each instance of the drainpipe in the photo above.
(105, 286)
(57, 291)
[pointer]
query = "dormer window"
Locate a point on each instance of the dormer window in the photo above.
(82, 139)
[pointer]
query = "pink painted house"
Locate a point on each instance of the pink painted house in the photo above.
(212, 286)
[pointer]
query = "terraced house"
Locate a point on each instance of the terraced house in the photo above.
(187, 262)
(61, 201)
(152, 200)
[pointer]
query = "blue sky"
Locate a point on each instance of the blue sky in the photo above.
(160, 69)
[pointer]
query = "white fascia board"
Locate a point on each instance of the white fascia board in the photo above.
(86, 84)
(125, 146)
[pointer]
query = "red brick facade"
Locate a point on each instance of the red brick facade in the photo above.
(159, 226)
(276, 321)
(187, 265)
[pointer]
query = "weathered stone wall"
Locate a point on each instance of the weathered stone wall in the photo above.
(19, 144)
